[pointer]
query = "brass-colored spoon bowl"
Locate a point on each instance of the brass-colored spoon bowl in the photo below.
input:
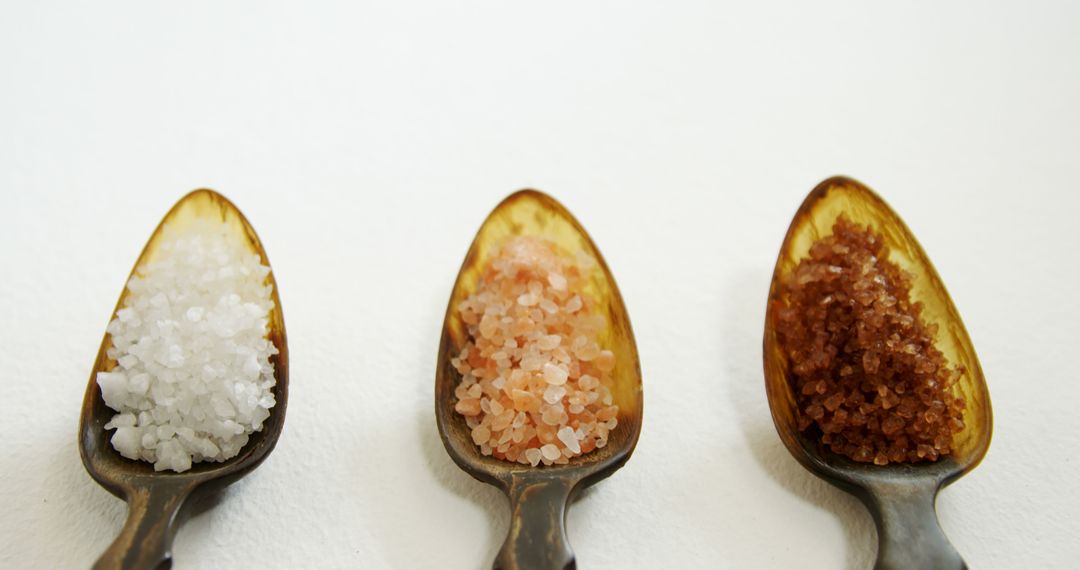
(155, 498)
(539, 495)
(901, 497)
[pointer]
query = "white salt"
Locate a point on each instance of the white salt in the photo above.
(194, 379)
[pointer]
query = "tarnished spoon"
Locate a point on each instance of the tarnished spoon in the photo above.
(901, 497)
(155, 498)
(539, 495)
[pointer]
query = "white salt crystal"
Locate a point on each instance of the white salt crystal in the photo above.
(126, 441)
(113, 388)
(121, 420)
(183, 393)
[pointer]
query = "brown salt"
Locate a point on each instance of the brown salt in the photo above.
(536, 384)
(867, 376)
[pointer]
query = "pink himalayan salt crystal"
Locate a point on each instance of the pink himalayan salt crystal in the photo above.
(536, 384)
(555, 375)
(549, 342)
(554, 394)
(533, 455)
(550, 452)
(569, 439)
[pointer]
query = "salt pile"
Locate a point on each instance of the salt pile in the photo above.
(536, 384)
(193, 378)
(864, 363)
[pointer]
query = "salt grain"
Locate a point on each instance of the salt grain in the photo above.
(550, 452)
(566, 435)
(533, 456)
(555, 374)
(554, 394)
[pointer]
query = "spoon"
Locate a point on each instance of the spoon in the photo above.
(900, 497)
(155, 498)
(539, 496)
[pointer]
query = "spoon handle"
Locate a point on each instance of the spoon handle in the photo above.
(145, 542)
(537, 537)
(909, 535)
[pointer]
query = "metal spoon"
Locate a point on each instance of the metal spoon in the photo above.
(539, 495)
(155, 498)
(900, 497)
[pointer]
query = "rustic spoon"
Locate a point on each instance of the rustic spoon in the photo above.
(539, 495)
(901, 497)
(155, 498)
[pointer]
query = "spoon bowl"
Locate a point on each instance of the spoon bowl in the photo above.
(155, 498)
(900, 497)
(539, 495)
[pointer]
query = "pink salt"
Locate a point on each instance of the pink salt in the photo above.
(535, 381)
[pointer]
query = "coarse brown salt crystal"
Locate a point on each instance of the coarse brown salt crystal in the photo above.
(863, 364)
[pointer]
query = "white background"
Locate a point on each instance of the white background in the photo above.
(366, 143)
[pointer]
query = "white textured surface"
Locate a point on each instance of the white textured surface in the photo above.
(366, 144)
